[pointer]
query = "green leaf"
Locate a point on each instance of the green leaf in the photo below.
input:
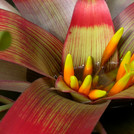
(5, 107)
(5, 100)
(39, 110)
(5, 40)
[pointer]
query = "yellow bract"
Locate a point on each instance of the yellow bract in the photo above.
(96, 94)
(88, 68)
(111, 47)
(86, 85)
(120, 84)
(121, 70)
(74, 84)
(68, 69)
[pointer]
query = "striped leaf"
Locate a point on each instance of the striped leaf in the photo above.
(52, 15)
(39, 110)
(5, 100)
(31, 46)
(90, 31)
(10, 85)
(126, 19)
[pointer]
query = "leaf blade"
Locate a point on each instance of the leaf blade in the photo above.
(47, 112)
(56, 14)
(125, 19)
(11, 85)
(31, 46)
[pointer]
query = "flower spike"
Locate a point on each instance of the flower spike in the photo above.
(86, 85)
(121, 70)
(120, 85)
(96, 94)
(88, 67)
(68, 69)
(111, 47)
(74, 84)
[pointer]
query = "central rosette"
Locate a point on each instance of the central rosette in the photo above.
(89, 85)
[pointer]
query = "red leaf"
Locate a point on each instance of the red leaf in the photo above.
(90, 31)
(31, 46)
(39, 110)
(52, 15)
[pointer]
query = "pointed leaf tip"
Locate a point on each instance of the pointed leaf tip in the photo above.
(5, 40)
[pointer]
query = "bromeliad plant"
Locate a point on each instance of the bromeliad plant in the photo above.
(89, 44)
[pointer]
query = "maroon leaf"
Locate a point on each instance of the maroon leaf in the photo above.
(126, 19)
(31, 46)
